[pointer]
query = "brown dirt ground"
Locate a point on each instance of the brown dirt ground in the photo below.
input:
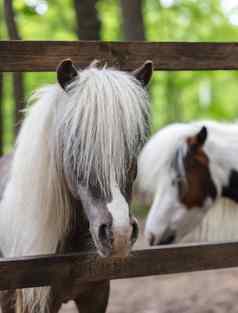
(201, 292)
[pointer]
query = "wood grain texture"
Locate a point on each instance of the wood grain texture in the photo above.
(81, 268)
(45, 55)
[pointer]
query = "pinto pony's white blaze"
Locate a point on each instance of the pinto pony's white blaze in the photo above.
(121, 219)
(158, 176)
(99, 126)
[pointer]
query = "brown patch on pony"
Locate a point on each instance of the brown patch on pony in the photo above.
(198, 184)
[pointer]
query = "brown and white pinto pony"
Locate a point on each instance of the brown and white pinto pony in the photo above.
(67, 186)
(189, 169)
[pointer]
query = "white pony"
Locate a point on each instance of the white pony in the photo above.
(191, 171)
(68, 184)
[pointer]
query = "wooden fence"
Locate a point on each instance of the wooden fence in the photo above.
(80, 268)
(44, 56)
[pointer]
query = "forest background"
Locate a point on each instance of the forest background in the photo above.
(176, 96)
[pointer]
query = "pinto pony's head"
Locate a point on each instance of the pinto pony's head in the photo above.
(186, 184)
(99, 136)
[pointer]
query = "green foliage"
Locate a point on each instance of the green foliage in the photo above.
(176, 96)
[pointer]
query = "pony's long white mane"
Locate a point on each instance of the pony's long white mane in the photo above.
(96, 126)
(222, 148)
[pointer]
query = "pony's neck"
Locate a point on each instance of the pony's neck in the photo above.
(78, 237)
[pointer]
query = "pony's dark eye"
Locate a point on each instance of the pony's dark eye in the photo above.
(174, 182)
(133, 170)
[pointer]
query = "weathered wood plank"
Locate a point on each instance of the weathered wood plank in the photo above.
(80, 268)
(45, 55)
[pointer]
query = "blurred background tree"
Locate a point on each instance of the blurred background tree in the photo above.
(18, 78)
(87, 20)
(176, 96)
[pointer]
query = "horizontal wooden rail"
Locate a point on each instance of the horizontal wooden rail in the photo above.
(45, 55)
(80, 268)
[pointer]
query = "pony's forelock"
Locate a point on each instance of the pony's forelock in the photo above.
(104, 124)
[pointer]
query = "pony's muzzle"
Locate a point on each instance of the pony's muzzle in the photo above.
(113, 241)
(124, 238)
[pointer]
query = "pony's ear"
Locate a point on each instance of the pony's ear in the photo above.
(144, 73)
(199, 139)
(66, 72)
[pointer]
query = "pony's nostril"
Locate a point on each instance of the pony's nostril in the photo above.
(102, 232)
(168, 239)
(105, 234)
(135, 231)
(152, 240)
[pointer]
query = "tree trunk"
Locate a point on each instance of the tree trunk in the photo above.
(133, 23)
(1, 113)
(1, 108)
(18, 80)
(88, 22)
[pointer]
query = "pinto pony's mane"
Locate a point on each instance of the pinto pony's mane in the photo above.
(97, 125)
(221, 145)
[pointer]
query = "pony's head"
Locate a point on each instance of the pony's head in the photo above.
(99, 136)
(186, 186)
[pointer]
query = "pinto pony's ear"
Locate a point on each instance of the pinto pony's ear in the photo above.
(199, 139)
(144, 73)
(66, 72)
